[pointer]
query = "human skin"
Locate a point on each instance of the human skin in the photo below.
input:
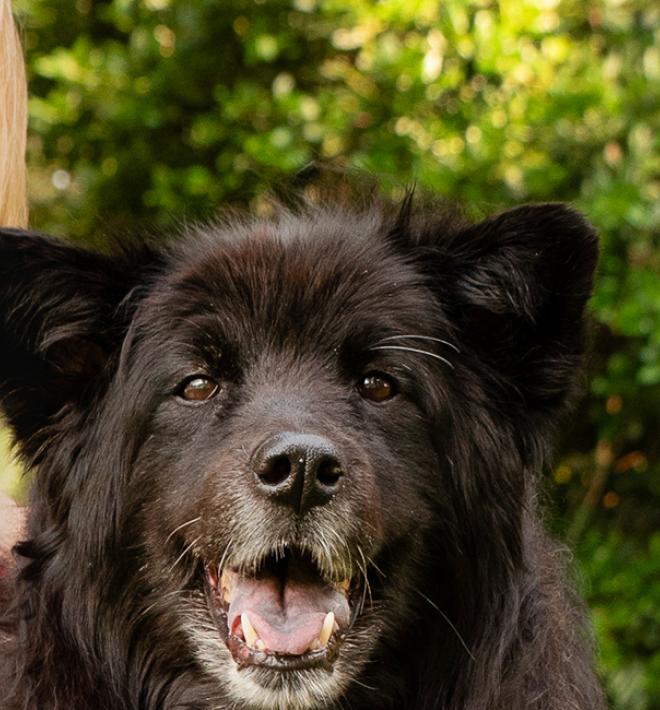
(12, 520)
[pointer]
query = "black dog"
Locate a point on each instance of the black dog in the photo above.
(292, 463)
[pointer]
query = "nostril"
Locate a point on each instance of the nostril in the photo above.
(275, 471)
(329, 472)
(297, 470)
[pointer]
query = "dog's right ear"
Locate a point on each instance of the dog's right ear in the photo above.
(61, 319)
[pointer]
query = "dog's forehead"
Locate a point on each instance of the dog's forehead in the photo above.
(313, 281)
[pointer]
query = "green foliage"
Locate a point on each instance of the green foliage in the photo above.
(163, 109)
(625, 602)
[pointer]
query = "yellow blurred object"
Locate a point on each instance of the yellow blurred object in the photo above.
(13, 200)
(11, 480)
(13, 123)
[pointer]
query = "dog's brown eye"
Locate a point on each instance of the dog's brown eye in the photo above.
(198, 389)
(377, 387)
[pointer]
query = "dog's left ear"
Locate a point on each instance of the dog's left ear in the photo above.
(60, 321)
(516, 285)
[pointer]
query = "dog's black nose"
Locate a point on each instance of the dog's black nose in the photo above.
(298, 470)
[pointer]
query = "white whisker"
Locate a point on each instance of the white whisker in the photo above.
(363, 569)
(413, 350)
(185, 552)
(448, 620)
(183, 525)
(421, 337)
(223, 559)
(364, 685)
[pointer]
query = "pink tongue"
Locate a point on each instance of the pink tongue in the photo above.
(287, 613)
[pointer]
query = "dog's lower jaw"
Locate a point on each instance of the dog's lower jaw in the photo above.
(260, 688)
(299, 690)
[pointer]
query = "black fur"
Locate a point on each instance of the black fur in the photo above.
(467, 605)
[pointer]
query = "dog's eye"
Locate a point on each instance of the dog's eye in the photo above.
(377, 387)
(198, 389)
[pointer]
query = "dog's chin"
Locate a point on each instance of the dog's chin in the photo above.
(285, 690)
(277, 633)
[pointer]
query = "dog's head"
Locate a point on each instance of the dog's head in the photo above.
(259, 445)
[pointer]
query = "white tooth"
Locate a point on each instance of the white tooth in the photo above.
(248, 631)
(315, 645)
(260, 645)
(327, 628)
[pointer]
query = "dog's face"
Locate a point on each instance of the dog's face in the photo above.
(287, 450)
(256, 427)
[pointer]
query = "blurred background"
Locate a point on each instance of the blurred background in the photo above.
(156, 111)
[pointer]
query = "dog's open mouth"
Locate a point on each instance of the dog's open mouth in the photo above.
(286, 615)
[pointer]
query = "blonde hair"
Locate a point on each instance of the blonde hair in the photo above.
(13, 123)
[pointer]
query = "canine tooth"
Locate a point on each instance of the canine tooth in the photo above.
(260, 645)
(314, 645)
(248, 631)
(327, 628)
